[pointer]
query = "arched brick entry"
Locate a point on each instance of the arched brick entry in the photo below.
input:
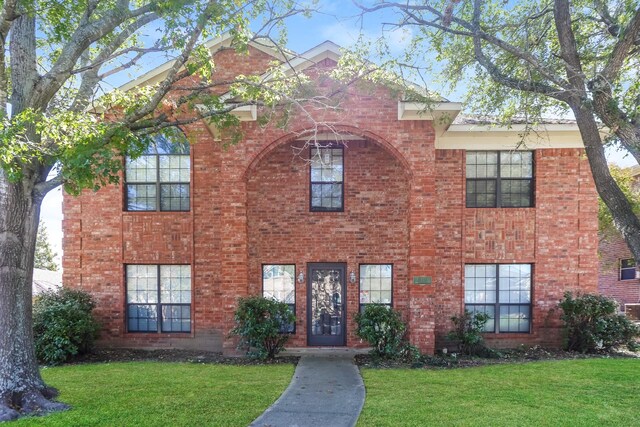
(342, 130)
(372, 229)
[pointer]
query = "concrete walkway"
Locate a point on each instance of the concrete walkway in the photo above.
(326, 390)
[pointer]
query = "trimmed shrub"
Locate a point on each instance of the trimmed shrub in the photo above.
(592, 323)
(261, 324)
(382, 327)
(467, 332)
(63, 325)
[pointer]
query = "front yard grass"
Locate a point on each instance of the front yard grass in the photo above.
(591, 392)
(162, 394)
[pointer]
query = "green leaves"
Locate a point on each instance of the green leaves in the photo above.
(467, 331)
(63, 325)
(259, 324)
(627, 183)
(382, 327)
(592, 323)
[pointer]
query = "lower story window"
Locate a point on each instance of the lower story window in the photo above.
(503, 291)
(278, 283)
(376, 284)
(627, 269)
(158, 298)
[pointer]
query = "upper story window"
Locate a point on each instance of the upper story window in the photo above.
(159, 179)
(503, 291)
(376, 284)
(627, 269)
(502, 179)
(278, 282)
(327, 179)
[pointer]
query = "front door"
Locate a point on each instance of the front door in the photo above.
(326, 294)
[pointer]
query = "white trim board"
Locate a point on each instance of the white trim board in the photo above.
(508, 140)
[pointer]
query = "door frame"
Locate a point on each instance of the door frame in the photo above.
(329, 341)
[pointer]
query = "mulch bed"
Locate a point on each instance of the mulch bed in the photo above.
(520, 355)
(173, 355)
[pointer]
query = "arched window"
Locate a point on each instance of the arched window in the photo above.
(159, 179)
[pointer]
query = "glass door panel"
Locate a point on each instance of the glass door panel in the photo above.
(326, 299)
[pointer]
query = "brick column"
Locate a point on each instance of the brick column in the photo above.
(422, 245)
(233, 235)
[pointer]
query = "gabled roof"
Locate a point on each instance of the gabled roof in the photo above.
(158, 73)
(453, 130)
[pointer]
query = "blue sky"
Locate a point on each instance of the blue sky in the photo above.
(337, 21)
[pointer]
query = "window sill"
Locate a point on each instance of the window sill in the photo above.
(158, 334)
(155, 212)
(507, 335)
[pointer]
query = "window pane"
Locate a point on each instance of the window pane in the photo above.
(490, 326)
(627, 269)
(142, 169)
(628, 263)
(174, 197)
(481, 193)
(516, 164)
(142, 318)
(376, 283)
(170, 141)
(515, 193)
(175, 168)
(326, 178)
(326, 196)
(288, 328)
(175, 284)
(514, 318)
(479, 283)
(176, 318)
(482, 164)
(278, 282)
(141, 197)
(142, 284)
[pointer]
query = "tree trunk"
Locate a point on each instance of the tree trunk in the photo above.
(625, 220)
(22, 390)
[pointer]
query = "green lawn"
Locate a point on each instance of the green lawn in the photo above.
(592, 392)
(162, 394)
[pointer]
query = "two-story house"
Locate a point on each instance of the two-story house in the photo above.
(389, 204)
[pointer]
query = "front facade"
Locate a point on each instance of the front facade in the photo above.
(386, 205)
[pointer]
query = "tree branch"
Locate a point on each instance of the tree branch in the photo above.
(473, 31)
(568, 49)
(91, 78)
(164, 87)
(621, 50)
(497, 75)
(82, 38)
(7, 15)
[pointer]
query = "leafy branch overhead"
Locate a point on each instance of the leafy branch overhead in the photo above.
(65, 113)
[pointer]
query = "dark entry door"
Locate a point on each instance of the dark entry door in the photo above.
(326, 304)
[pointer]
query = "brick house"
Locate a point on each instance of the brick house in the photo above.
(619, 277)
(394, 206)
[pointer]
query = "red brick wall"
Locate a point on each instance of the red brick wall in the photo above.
(611, 250)
(404, 204)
